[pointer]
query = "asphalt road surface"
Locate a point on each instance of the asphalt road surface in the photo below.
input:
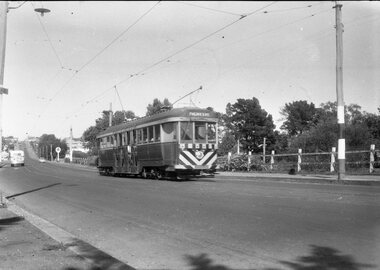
(210, 223)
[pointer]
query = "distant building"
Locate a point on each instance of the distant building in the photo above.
(77, 145)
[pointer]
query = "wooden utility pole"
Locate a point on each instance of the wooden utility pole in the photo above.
(339, 92)
(110, 115)
(3, 32)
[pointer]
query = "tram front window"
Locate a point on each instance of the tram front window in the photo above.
(200, 132)
(211, 133)
(186, 131)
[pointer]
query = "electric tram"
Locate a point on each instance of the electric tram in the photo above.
(176, 143)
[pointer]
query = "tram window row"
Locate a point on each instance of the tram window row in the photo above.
(188, 132)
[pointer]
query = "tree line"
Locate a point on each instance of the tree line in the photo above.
(305, 126)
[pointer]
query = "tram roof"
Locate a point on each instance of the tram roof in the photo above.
(186, 112)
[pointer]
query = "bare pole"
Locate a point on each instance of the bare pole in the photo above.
(3, 34)
(339, 93)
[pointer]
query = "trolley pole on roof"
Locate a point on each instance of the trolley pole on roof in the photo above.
(339, 92)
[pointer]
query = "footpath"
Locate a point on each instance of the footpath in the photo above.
(24, 246)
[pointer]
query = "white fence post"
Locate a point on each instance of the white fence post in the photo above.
(249, 160)
(332, 164)
(299, 160)
(371, 158)
(271, 160)
(229, 160)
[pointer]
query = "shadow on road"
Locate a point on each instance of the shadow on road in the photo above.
(98, 259)
(30, 191)
(5, 222)
(320, 258)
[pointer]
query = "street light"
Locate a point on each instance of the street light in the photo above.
(3, 34)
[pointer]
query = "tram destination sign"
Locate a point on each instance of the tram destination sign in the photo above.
(202, 114)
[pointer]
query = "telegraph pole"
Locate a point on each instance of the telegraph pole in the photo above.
(110, 115)
(71, 145)
(339, 92)
(3, 33)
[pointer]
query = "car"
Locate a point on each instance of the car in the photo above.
(42, 160)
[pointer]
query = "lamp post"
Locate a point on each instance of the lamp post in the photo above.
(3, 34)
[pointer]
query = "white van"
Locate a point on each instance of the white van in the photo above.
(16, 157)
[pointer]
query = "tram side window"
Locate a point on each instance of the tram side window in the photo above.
(186, 131)
(211, 132)
(144, 135)
(120, 139)
(150, 134)
(128, 137)
(200, 132)
(157, 133)
(169, 132)
(134, 136)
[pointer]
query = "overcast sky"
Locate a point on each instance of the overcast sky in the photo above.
(63, 69)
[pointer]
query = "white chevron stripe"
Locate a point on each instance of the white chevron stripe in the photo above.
(206, 157)
(194, 159)
(212, 160)
(184, 160)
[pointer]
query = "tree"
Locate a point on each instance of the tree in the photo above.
(157, 105)
(89, 135)
(47, 145)
(299, 117)
(249, 123)
(227, 144)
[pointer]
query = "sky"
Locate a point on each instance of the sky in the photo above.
(64, 68)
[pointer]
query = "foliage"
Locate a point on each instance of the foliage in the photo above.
(299, 117)
(249, 123)
(156, 106)
(47, 145)
(227, 144)
(89, 135)
(240, 163)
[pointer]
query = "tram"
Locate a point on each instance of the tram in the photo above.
(177, 143)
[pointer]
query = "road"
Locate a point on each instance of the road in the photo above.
(205, 224)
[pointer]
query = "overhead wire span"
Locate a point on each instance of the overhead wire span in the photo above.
(194, 43)
(141, 72)
(212, 9)
(48, 37)
(118, 37)
(101, 51)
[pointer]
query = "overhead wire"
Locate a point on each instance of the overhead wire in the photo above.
(101, 51)
(212, 9)
(48, 37)
(193, 44)
(141, 72)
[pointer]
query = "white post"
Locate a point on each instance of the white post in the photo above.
(229, 160)
(238, 147)
(249, 160)
(332, 163)
(271, 160)
(299, 160)
(371, 158)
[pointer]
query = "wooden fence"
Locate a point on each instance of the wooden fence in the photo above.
(361, 161)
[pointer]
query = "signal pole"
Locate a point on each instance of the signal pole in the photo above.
(339, 92)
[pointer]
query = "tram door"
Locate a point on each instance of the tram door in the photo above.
(132, 152)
